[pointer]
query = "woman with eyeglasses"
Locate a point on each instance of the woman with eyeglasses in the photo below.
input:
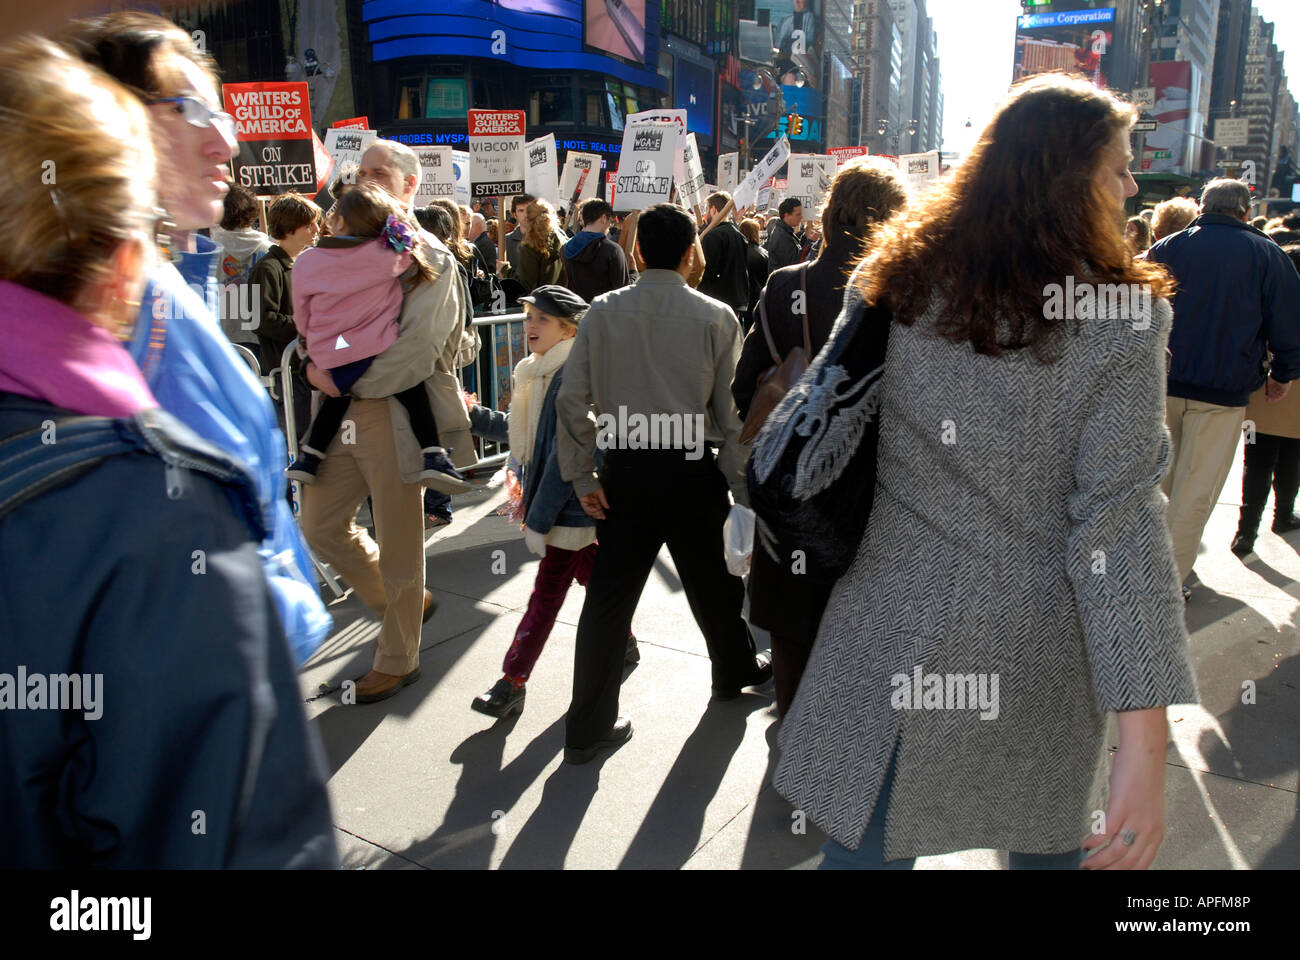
(188, 363)
(162, 725)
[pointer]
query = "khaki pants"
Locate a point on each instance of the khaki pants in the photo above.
(1205, 437)
(389, 581)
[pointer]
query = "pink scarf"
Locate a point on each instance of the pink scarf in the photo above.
(53, 353)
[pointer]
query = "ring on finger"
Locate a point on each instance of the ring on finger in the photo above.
(1128, 837)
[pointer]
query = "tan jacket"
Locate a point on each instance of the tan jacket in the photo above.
(429, 339)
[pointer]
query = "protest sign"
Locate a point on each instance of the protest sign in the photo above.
(345, 146)
(496, 152)
(540, 171)
(843, 155)
(610, 186)
(810, 177)
(919, 168)
(324, 162)
(437, 175)
(747, 192)
(575, 164)
(352, 123)
(689, 174)
(645, 168)
(764, 201)
(273, 127)
(460, 167)
(728, 164)
(803, 172)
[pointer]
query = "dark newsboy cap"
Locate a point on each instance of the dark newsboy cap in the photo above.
(556, 300)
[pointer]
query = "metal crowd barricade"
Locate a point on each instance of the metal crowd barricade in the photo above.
(490, 393)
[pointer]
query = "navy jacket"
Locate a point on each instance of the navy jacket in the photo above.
(201, 755)
(548, 500)
(1238, 300)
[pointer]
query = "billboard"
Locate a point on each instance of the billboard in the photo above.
(616, 27)
(795, 36)
(693, 88)
(1076, 42)
(537, 34)
(1163, 149)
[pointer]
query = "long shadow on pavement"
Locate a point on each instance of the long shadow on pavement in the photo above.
(777, 839)
(671, 830)
(469, 830)
(1264, 743)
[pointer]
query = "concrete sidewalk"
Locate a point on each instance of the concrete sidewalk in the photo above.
(421, 781)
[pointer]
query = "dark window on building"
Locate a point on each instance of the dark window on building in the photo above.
(550, 101)
(687, 18)
(410, 98)
(244, 38)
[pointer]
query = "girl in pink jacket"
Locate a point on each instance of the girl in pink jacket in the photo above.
(347, 298)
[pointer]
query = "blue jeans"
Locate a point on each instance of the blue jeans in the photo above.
(870, 854)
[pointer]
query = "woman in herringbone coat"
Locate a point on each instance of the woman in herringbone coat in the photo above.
(1016, 583)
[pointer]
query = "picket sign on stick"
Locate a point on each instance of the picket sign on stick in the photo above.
(627, 240)
(502, 253)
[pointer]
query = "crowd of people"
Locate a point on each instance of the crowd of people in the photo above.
(890, 357)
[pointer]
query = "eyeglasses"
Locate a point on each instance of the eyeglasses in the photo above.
(199, 114)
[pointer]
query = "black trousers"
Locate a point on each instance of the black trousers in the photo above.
(655, 497)
(332, 410)
(1270, 461)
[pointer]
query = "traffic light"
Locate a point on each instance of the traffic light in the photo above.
(795, 124)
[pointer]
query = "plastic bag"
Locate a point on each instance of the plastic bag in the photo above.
(738, 539)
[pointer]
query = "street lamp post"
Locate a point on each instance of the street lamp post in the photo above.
(884, 125)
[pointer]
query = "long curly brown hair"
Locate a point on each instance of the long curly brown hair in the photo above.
(541, 226)
(1024, 211)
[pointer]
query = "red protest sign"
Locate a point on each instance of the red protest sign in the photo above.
(496, 152)
(273, 127)
(843, 155)
(352, 123)
(324, 162)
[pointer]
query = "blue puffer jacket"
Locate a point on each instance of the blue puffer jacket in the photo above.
(196, 752)
(1238, 300)
(198, 378)
(548, 500)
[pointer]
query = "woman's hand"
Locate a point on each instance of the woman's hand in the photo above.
(321, 380)
(1135, 814)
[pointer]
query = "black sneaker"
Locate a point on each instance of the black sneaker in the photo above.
(502, 700)
(1243, 546)
(304, 468)
(440, 474)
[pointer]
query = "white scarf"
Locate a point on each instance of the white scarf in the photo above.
(532, 379)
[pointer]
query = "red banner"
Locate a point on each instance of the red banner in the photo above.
(273, 127)
(843, 155)
(353, 123)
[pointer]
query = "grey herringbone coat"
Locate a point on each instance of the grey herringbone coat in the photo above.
(1019, 530)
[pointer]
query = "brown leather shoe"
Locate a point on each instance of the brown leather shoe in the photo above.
(430, 607)
(376, 686)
